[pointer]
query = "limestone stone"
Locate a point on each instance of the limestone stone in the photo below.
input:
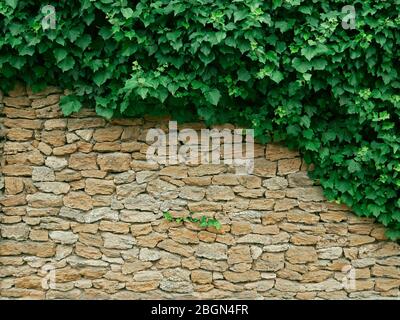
(13, 185)
(99, 186)
(299, 179)
(250, 182)
(275, 152)
(177, 172)
(225, 180)
(143, 202)
(68, 175)
(201, 276)
(265, 168)
(302, 217)
(82, 161)
(206, 169)
(19, 134)
(64, 150)
(239, 254)
(19, 231)
(241, 227)
(113, 241)
(107, 134)
(300, 254)
(213, 251)
(149, 254)
(197, 181)
(216, 193)
(63, 237)
(247, 276)
(44, 200)
(330, 253)
(145, 176)
(174, 247)
(306, 194)
(114, 162)
(192, 193)
(183, 235)
(275, 183)
(53, 187)
(78, 200)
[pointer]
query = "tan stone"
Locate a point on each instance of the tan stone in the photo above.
(81, 161)
(44, 200)
(55, 138)
(87, 252)
(206, 169)
(40, 249)
(85, 123)
(112, 226)
(304, 239)
(333, 216)
(78, 200)
(177, 172)
(94, 240)
(107, 134)
(183, 235)
(115, 162)
(39, 235)
(306, 194)
(386, 271)
(67, 149)
(67, 175)
(239, 254)
(29, 282)
(201, 276)
(264, 168)
(260, 229)
(13, 185)
(142, 286)
(175, 247)
(289, 166)
(17, 101)
(251, 182)
(99, 186)
(204, 206)
(300, 254)
(17, 170)
(19, 134)
(107, 147)
(302, 217)
(133, 267)
(216, 193)
(247, 276)
(241, 227)
(261, 204)
(386, 284)
(197, 181)
(140, 229)
(357, 240)
(23, 123)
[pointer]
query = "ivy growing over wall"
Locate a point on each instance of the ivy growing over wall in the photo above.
(286, 68)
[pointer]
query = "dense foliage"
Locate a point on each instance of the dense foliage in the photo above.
(287, 68)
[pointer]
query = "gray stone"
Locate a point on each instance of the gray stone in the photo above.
(43, 174)
(63, 237)
(56, 163)
(214, 251)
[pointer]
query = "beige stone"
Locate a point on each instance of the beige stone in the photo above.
(300, 254)
(114, 162)
(78, 200)
(81, 161)
(99, 186)
(107, 134)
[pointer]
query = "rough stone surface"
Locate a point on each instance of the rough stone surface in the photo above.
(78, 196)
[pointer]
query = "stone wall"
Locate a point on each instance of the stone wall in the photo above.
(81, 217)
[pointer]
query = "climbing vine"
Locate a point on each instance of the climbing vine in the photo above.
(287, 68)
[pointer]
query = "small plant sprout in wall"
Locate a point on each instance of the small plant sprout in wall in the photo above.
(203, 221)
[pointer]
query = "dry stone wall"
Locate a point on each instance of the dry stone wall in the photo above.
(81, 218)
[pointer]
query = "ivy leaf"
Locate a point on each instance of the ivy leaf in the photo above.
(12, 3)
(60, 54)
(300, 65)
(70, 104)
(213, 96)
(127, 13)
(67, 64)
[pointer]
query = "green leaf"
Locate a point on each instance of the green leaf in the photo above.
(127, 13)
(213, 96)
(67, 64)
(301, 65)
(60, 54)
(70, 104)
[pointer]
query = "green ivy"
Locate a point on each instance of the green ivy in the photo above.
(203, 222)
(286, 68)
